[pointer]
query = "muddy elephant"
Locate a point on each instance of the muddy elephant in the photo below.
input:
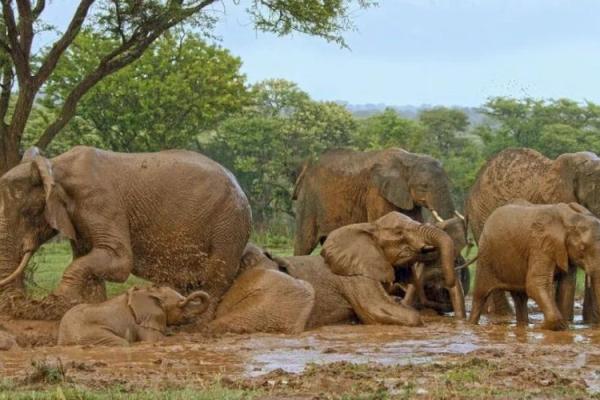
(346, 187)
(528, 175)
(137, 315)
(525, 247)
(422, 286)
(175, 218)
(350, 280)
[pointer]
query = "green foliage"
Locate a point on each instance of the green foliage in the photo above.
(179, 88)
(266, 146)
(552, 127)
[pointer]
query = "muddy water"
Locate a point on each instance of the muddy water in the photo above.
(187, 357)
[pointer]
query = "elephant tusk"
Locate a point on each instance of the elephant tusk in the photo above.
(17, 272)
(459, 215)
(436, 216)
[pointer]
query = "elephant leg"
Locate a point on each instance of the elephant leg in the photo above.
(305, 239)
(149, 335)
(498, 304)
(520, 300)
(99, 264)
(373, 305)
(541, 291)
(415, 287)
(565, 293)
(480, 296)
(591, 309)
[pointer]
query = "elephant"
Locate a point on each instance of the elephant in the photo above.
(349, 280)
(524, 247)
(137, 315)
(175, 218)
(526, 174)
(346, 187)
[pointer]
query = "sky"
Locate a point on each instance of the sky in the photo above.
(436, 52)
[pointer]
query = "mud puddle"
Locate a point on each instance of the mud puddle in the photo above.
(188, 358)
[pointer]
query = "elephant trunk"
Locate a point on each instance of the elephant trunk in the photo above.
(442, 205)
(201, 295)
(444, 243)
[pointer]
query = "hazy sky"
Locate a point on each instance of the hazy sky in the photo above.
(451, 52)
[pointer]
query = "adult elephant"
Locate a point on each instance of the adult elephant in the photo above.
(526, 174)
(350, 280)
(346, 187)
(175, 218)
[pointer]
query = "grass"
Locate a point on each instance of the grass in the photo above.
(68, 392)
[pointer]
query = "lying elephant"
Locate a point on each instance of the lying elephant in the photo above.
(349, 281)
(524, 248)
(137, 315)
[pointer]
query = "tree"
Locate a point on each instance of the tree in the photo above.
(387, 129)
(443, 128)
(132, 26)
(179, 88)
(266, 146)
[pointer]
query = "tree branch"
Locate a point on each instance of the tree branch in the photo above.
(7, 84)
(63, 43)
(18, 56)
(25, 26)
(38, 9)
(114, 61)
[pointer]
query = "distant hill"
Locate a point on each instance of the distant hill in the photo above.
(408, 111)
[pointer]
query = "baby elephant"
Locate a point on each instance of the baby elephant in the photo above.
(137, 315)
(525, 248)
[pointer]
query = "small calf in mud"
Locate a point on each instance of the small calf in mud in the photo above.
(137, 315)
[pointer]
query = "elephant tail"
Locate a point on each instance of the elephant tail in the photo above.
(299, 180)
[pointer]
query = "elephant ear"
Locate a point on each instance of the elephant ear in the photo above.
(551, 239)
(566, 173)
(146, 307)
(352, 250)
(392, 185)
(58, 204)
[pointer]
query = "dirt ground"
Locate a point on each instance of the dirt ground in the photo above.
(443, 359)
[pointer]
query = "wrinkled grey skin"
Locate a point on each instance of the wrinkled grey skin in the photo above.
(346, 187)
(349, 281)
(527, 174)
(138, 315)
(175, 218)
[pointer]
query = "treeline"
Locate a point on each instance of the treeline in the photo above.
(185, 93)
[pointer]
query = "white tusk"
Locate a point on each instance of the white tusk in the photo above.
(17, 272)
(436, 216)
(459, 215)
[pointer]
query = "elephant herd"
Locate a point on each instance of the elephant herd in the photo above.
(181, 221)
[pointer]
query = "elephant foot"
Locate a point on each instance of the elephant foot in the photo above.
(557, 324)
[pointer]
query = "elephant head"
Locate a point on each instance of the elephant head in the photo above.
(157, 307)
(256, 257)
(33, 208)
(374, 249)
(576, 241)
(408, 180)
(575, 177)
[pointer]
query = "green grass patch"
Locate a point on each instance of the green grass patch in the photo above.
(214, 392)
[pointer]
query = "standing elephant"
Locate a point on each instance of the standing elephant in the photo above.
(349, 281)
(346, 187)
(524, 247)
(175, 218)
(137, 315)
(528, 175)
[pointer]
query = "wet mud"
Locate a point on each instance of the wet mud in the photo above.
(495, 356)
